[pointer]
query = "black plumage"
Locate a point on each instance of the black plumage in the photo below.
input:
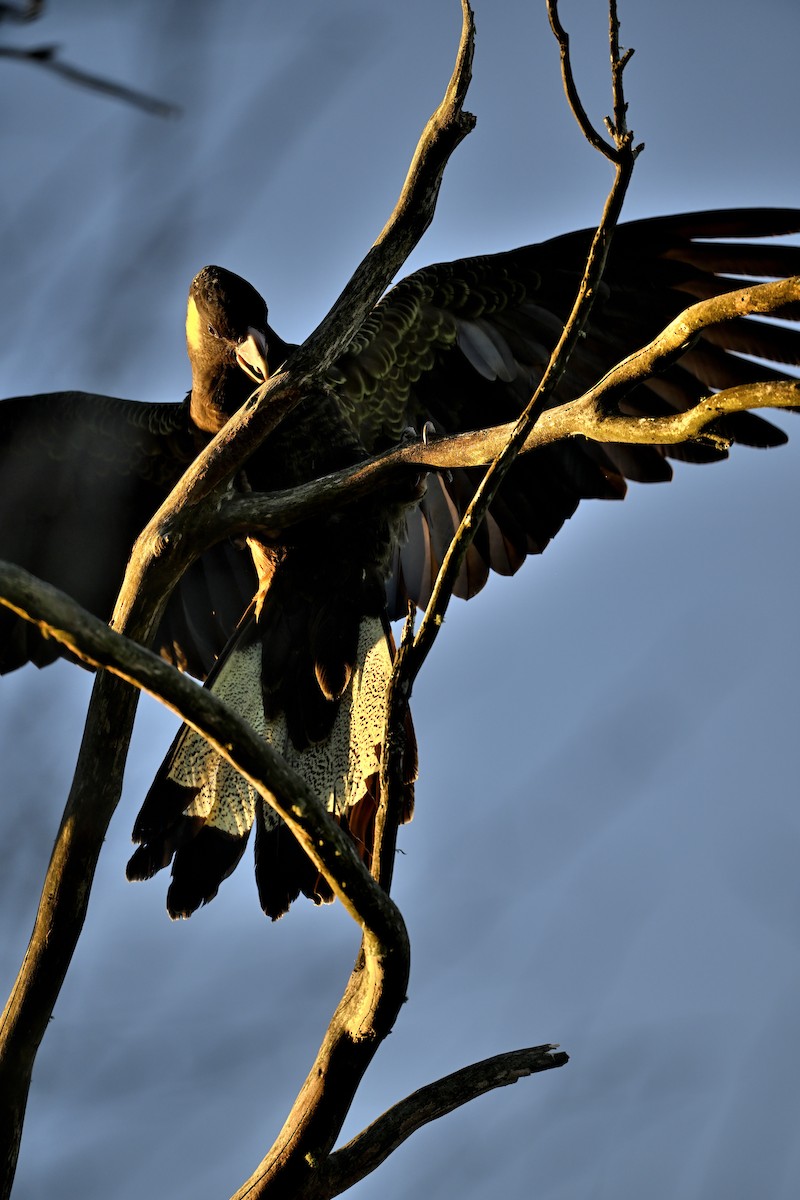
(461, 345)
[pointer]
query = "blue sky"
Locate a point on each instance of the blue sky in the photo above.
(605, 847)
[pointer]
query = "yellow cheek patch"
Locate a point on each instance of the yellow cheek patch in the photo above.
(193, 326)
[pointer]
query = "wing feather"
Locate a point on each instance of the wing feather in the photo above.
(80, 476)
(464, 344)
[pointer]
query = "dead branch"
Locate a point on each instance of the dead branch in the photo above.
(412, 654)
(623, 156)
(412, 214)
(88, 638)
(295, 1164)
(301, 1162)
(97, 781)
(47, 57)
(91, 640)
(616, 126)
(368, 1149)
(595, 415)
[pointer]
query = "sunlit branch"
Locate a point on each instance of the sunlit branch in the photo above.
(377, 987)
(368, 1149)
(594, 415)
(152, 573)
(90, 640)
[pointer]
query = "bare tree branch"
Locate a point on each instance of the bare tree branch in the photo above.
(594, 415)
(617, 128)
(370, 1004)
(90, 639)
(368, 1149)
(411, 655)
(301, 1162)
(617, 125)
(377, 986)
(412, 214)
(624, 160)
(47, 58)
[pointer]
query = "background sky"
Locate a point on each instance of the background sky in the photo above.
(606, 842)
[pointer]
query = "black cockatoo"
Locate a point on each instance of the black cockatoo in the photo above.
(461, 345)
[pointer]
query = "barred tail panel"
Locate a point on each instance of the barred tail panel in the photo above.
(200, 810)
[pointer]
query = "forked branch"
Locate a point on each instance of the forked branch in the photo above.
(89, 639)
(412, 654)
(595, 415)
(151, 575)
(302, 1162)
(373, 1145)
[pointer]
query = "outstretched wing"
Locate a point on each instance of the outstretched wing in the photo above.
(461, 345)
(464, 344)
(80, 475)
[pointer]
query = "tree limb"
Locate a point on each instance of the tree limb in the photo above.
(47, 58)
(334, 853)
(624, 159)
(368, 1149)
(295, 1165)
(300, 1163)
(159, 557)
(412, 654)
(88, 638)
(594, 415)
(412, 214)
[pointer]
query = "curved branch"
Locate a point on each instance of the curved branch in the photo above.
(411, 216)
(270, 403)
(431, 623)
(594, 415)
(295, 1165)
(151, 574)
(368, 1149)
(570, 88)
(616, 149)
(90, 639)
(378, 985)
(269, 513)
(761, 299)
(297, 1162)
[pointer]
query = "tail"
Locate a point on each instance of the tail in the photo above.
(310, 672)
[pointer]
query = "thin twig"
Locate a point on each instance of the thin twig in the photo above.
(593, 137)
(409, 660)
(47, 58)
(617, 125)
